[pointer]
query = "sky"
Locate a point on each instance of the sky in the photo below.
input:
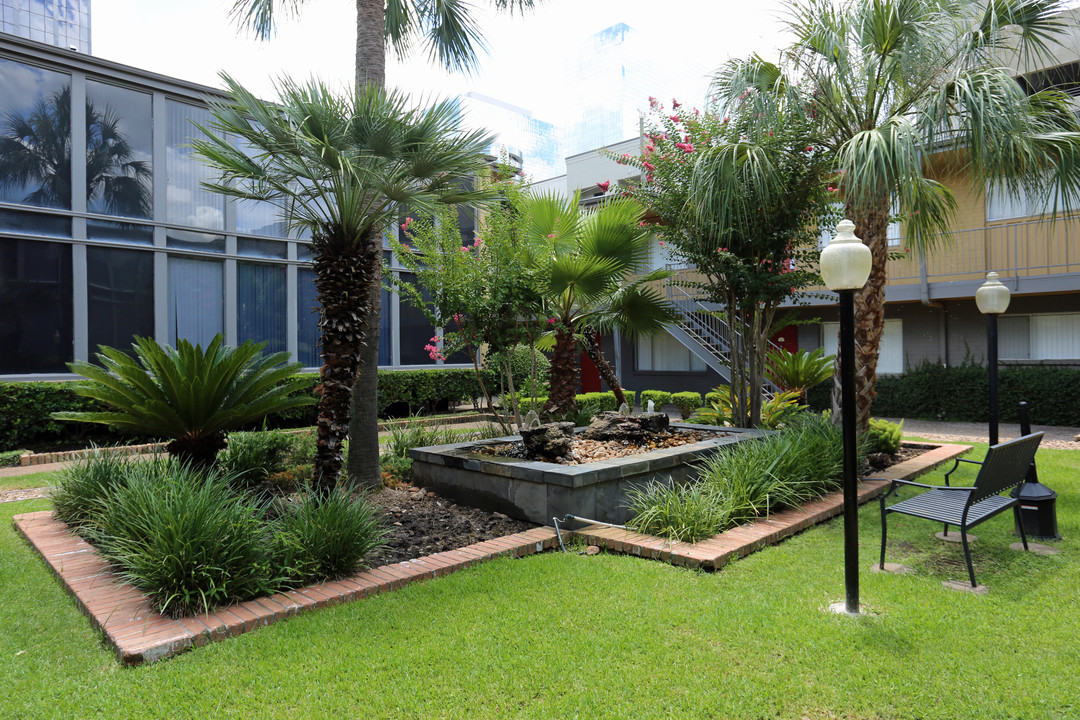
(194, 40)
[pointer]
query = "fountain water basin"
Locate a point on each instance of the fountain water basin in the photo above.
(539, 491)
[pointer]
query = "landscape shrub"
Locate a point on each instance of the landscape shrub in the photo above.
(884, 436)
(251, 457)
(659, 398)
(10, 458)
(521, 364)
(686, 402)
(325, 536)
(743, 481)
(775, 411)
(185, 538)
(931, 391)
(26, 407)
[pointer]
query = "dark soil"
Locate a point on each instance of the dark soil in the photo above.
(422, 523)
(881, 461)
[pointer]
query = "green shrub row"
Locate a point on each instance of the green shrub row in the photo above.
(959, 393)
(25, 407)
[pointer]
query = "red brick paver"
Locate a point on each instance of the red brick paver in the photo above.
(137, 634)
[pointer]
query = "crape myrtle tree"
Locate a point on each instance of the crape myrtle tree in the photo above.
(592, 270)
(901, 91)
(339, 166)
(737, 197)
(449, 33)
(481, 294)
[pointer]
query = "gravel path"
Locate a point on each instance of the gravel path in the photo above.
(1057, 438)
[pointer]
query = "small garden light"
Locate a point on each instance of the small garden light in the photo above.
(845, 267)
(992, 298)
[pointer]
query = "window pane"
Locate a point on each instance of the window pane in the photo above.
(307, 314)
(119, 150)
(132, 233)
(204, 242)
(189, 203)
(31, 223)
(1055, 337)
(891, 354)
(663, 353)
(120, 295)
(196, 300)
(35, 293)
(35, 136)
(262, 248)
(416, 331)
(260, 304)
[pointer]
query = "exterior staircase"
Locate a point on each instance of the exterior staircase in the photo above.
(703, 331)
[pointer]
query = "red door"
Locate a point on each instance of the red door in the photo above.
(788, 338)
(590, 376)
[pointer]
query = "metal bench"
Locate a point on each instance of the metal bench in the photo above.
(1005, 466)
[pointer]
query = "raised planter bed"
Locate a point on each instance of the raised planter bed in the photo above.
(539, 491)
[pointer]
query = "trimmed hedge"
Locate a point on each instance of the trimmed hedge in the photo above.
(25, 407)
(960, 393)
(687, 402)
(659, 398)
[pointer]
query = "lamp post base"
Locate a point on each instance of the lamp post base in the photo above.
(840, 608)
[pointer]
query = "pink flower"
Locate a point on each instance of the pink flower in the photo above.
(458, 318)
(675, 104)
(907, 250)
(725, 120)
(463, 249)
(551, 235)
(435, 339)
(831, 189)
(685, 147)
(652, 102)
(405, 225)
(674, 118)
(406, 247)
(662, 243)
(641, 224)
(809, 148)
(604, 185)
(648, 166)
(551, 321)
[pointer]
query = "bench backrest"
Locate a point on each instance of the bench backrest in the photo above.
(1006, 465)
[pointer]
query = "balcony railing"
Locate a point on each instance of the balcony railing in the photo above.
(1020, 249)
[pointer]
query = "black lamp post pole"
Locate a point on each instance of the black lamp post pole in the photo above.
(847, 409)
(992, 361)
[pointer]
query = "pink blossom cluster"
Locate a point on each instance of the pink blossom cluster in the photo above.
(433, 350)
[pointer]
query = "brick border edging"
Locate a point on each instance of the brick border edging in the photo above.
(715, 552)
(138, 634)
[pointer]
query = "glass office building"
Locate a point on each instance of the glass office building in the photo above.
(63, 23)
(106, 232)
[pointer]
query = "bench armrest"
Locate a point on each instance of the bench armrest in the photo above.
(912, 483)
(957, 464)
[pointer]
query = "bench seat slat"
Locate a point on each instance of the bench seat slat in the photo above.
(947, 506)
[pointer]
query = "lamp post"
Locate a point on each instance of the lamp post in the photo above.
(993, 299)
(845, 267)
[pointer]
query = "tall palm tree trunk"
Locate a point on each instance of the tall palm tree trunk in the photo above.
(339, 271)
(363, 461)
(563, 374)
(592, 349)
(370, 43)
(871, 225)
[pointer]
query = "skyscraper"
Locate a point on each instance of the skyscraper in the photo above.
(537, 141)
(614, 72)
(64, 23)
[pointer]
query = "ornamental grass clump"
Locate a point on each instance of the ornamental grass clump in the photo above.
(81, 487)
(325, 536)
(184, 537)
(745, 481)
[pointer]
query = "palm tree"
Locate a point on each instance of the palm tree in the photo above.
(905, 89)
(449, 33)
(190, 394)
(36, 149)
(593, 274)
(340, 167)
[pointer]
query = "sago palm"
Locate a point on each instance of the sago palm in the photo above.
(341, 167)
(191, 394)
(907, 90)
(594, 277)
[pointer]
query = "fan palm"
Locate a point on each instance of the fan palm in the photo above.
(341, 167)
(593, 275)
(447, 29)
(905, 89)
(190, 394)
(799, 371)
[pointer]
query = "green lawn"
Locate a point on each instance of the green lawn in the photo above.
(567, 635)
(33, 480)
